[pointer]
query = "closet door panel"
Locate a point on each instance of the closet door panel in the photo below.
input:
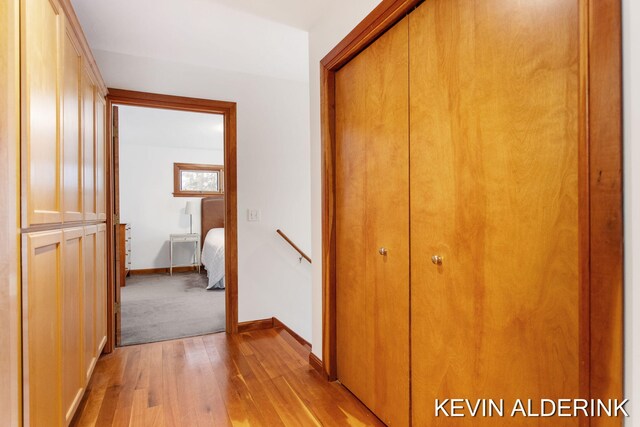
(101, 289)
(41, 329)
(73, 380)
(41, 34)
(494, 192)
(72, 135)
(89, 146)
(372, 202)
(101, 195)
(89, 299)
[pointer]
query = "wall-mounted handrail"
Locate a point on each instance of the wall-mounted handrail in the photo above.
(288, 240)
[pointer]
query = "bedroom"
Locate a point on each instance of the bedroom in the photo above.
(171, 231)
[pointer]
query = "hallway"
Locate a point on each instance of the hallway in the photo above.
(258, 378)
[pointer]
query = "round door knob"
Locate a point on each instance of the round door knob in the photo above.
(436, 259)
(383, 251)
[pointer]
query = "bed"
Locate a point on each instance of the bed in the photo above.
(212, 235)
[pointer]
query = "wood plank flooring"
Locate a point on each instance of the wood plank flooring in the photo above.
(258, 378)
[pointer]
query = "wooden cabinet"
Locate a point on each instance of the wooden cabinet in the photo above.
(64, 319)
(89, 146)
(123, 254)
(89, 298)
(42, 274)
(101, 155)
(72, 306)
(72, 130)
(101, 289)
(42, 31)
(63, 183)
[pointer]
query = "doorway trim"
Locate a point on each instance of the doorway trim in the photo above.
(600, 186)
(228, 110)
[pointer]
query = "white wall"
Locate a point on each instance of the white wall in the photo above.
(631, 94)
(338, 20)
(273, 174)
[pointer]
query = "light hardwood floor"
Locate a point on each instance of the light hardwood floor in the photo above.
(258, 378)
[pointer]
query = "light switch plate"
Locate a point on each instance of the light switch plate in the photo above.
(253, 215)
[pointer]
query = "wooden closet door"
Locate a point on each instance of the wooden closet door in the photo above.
(72, 135)
(89, 146)
(89, 298)
(42, 268)
(73, 380)
(42, 26)
(494, 191)
(101, 289)
(372, 215)
(101, 169)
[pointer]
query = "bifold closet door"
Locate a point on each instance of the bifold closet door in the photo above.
(494, 192)
(372, 220)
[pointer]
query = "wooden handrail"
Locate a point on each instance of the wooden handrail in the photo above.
(302, 254)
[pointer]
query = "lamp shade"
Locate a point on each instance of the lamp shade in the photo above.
(190, 209)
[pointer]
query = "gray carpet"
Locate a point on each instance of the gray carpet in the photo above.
(160, 307)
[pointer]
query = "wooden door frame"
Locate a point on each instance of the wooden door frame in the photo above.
(170, 102)
(600, 187)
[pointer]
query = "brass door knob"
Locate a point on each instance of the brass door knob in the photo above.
(436, 259)
(383, 251)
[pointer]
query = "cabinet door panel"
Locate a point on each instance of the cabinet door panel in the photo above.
(372, 212)
(41, 151)
(494, 192)
(41, 329)
(73, 379)
(101, 181)
(101, 288)
(72, 137)
(89, 146)
(89, 308)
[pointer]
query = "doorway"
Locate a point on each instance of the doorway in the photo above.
(167, 258)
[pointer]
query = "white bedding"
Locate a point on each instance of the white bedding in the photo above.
(213, 257)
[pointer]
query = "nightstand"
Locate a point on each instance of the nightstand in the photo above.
(184, 238)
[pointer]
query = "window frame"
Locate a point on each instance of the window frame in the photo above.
(179, 167)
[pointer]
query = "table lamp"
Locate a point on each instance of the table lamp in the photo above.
(190, 210)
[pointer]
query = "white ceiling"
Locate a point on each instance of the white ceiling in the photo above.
(300, 14)
(170, 128)
(263, 37)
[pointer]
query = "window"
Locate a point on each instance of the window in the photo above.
(191, 180)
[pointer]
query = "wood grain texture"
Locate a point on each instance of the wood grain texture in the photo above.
(258, 378)
(383, 17)
(212, 213)
(73, 24)
(89, 299)
(100, 165)
(113, 295)
(605, 146)
(89, 146)
(280, 325)
(10, 356)
(40, 100)
(327, 111)
(228, 109)
(72, 305)
(255, 325)
(71, 130)
(100, 321)
(494, 191)
(42, 278)
(372, 212)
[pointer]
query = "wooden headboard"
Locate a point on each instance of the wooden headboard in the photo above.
(211, 214)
